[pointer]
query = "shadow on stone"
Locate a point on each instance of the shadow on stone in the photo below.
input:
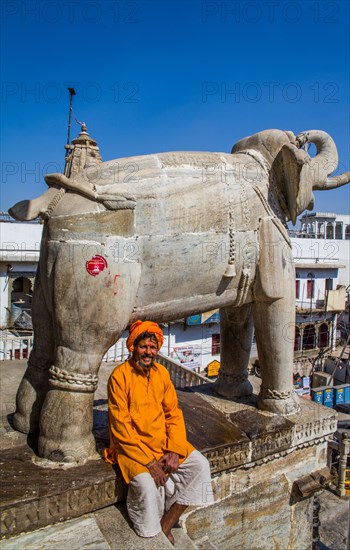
(100, 402)
(225, 281)
(123, 511)
(100, 419)
(9, 418)
(207, 389)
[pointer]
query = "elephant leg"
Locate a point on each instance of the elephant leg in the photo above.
(236, 329)
(274, 320)
(274, 330)
(34, 385)
(67, 414)
(90, 314)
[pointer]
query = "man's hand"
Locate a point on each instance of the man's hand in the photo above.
(169, 462)
(157, 472)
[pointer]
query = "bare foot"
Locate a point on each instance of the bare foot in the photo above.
(171, 538)
(170, 518)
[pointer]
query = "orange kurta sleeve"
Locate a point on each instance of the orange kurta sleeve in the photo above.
(121, 427)
(176, 441)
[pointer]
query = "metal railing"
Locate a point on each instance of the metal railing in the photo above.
(14, 347)
(117, 353)
(19, 347)
(182, 376)
(5, 217)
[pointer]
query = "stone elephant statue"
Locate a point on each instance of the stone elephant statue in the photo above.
(161, 237)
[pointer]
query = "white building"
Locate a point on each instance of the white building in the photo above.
(19, 256)
(321, 251)
(324, 225)
(327, 239)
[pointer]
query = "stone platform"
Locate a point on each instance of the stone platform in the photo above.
(35, 493)
(256, 458)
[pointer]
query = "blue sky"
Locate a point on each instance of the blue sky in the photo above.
(156, 76)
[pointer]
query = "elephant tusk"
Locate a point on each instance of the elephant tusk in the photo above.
(333, 182)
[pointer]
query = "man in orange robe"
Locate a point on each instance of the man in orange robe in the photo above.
(148, 439)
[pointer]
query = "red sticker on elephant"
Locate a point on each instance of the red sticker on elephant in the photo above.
(96, 265)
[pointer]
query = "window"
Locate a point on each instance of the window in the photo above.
(347, 232)
(215, 344)
(329, 232)
(21, 298)
(338, 230)
(17, 285)
(310, 289)
(297, 289)
(309, 337)
(323, 336)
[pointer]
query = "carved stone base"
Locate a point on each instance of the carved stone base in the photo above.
(229, 388)
(35, 495)
(255, 457)
(256, 503)
(287, 406)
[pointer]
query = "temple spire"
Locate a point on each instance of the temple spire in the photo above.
(83, 152)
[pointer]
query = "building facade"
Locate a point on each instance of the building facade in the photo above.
(19, 256)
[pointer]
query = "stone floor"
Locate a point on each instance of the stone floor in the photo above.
(109, 527)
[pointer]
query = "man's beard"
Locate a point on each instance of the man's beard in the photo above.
(143, 365)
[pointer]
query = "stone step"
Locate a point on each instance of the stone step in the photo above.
(76, 534)
(183, 541)
(116, 527)
(106, 529)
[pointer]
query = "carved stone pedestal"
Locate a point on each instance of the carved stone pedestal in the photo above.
(265, 476)
(34, 494)
(259, 462)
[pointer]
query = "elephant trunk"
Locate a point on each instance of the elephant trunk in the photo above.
(334, 182)
(326, 159)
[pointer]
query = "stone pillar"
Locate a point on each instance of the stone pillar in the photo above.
(344, 451)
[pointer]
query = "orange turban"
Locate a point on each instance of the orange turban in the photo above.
(139, 327)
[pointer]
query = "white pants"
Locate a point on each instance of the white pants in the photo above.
(190, 485)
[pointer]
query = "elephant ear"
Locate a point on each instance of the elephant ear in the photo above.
(294, 173)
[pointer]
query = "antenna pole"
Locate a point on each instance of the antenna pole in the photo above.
(67, 147)
(71, 94)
